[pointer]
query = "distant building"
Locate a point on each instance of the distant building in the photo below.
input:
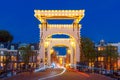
(105, 60)
(15, 59)
(118, 46)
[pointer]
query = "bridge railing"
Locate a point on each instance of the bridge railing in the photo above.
(85, 68)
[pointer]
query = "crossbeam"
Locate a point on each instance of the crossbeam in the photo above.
(43, 15)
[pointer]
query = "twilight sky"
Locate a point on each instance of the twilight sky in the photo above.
(101, 21)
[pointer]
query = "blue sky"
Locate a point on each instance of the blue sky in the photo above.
(101, 21)
(60, 50)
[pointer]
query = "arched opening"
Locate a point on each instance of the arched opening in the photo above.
(60, 50)
(60, 56)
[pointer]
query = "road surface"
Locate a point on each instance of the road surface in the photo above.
(58, 74)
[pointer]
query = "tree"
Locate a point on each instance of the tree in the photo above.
(87, 50)
(26, 54)
(5, 36)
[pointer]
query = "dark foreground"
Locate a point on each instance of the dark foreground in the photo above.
(50, 75)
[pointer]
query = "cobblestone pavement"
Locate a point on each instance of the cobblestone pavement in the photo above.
(68, 75)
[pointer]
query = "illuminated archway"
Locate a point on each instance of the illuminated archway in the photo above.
(46, 30)
(51, 42)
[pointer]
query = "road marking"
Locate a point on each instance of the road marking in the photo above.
(39, 69)
(64, 69)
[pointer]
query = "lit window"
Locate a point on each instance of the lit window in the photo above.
(13, 58)
(2, 64)
(4, 57)
(99, 49)
(100, 58)
(1, 58)
(15, 65)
